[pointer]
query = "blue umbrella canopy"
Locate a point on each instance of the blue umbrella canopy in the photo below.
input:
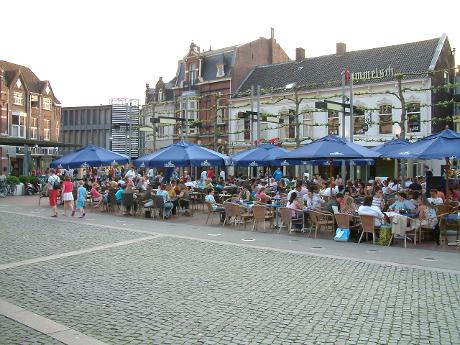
(436, 146)
(263, 155)
(89, 156)
(330, 147)
(338, 162)
(183, 154)
(392, 145)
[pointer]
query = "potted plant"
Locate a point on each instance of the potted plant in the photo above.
(15, 180)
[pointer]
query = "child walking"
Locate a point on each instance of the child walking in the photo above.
(81, 198)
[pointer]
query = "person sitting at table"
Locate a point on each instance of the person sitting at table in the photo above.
(208, 184)
(377, 199)
(415, 185)
(441, 194)
(262, 197)
(348, 205)
(119, 194)
(334, 201)
(281, 188)
(427, 217)
(401, 203)
(312, 200)
(220, 184)
(366, 209)
(168, 204)
(183, 198)
(453, 193)
(434, 198)
(215, 206)
(95, 195)
(244, 194)
(330, 190)
(294, 204)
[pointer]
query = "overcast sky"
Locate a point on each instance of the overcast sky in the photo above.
(95, 50)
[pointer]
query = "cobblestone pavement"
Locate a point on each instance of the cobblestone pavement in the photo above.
(29, 237)
(180, 291)
(12, 332)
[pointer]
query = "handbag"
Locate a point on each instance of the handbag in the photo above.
(342, 235)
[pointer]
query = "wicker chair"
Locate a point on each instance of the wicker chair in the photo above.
(242, 216)
(321, 220)
(260, 214)
(368, 226)
(289, 219)
(211, 212)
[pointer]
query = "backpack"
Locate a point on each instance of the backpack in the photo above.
(57, 183)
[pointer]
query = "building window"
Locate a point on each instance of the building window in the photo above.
(292, 126)
(385, 120)
(220, 70)
(308, 125)
(247, 128)
(46, 103)
(34, 102)
(192, 74)
(358, 121)
(47, 129)
(413, 117)
(161, 131)
(18, 98)
(160, 95)
(189, 110)
(333, 122)
(18, 124)
(220, 112)
(33, 128)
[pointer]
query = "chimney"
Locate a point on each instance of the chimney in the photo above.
(299, 54)
(340, 48)
(272, 33)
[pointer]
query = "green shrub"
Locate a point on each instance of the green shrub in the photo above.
(24, 179)
(12, 179)
(385, 235)
(33, 179)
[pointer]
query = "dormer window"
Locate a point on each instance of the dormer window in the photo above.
(192, 74)
(220, 70)
(161, 95)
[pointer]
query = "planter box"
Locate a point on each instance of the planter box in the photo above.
(19, 189)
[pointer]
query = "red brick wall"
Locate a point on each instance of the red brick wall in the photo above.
(259, 52)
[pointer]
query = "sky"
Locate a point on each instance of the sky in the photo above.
(92, 51)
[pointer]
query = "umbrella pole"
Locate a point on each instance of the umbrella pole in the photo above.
(447, 175)
(331, 162)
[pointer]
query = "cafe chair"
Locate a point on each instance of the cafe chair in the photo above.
(158, 206)
(242, 216)
(261, 214)
(289, 220)
(345, 221)
(112, 202)
(229, 213)
(211, 212)
(368, 227)
(127, 202)
(321, 220)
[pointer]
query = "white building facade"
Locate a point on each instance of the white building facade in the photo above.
(289, 92)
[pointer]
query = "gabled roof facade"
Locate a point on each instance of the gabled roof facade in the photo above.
(325, 71)
(31, 81)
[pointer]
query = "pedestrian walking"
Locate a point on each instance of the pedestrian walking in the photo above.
(81, 198)
(67, 195)
(54, 184)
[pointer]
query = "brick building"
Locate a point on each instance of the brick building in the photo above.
(30, 116)
(203, 85)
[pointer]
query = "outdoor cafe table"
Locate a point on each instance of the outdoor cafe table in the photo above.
(276, 204)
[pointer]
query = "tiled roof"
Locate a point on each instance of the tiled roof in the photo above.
(209, 61)
(33, 83)
(325, 71)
